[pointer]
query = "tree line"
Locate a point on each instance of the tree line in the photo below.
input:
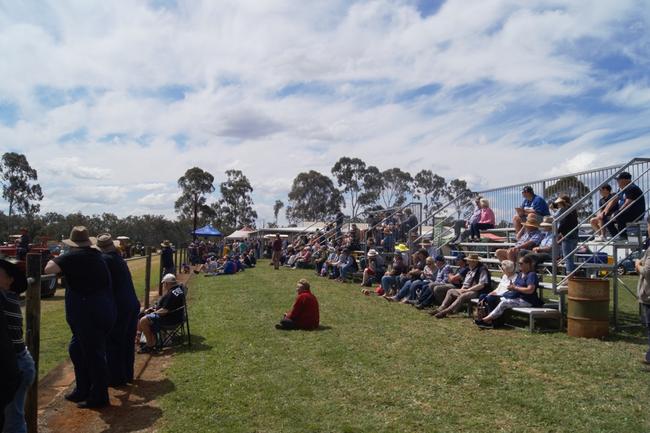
(361, 188)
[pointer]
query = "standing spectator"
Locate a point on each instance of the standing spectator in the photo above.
(602, 217)
(339, 222)
(532, 204)
(567, 232)
(23, 244)
(410, 221)
(10, 376)
(120, 350)
(486, 221)
(305, 313)
(631, 203)
(277, 251)
(167, 258)
(12, 284)
(388, 242)
(90, 313)
(643, 291)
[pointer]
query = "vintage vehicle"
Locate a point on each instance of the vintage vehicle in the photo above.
(125, 246)
(48, 287)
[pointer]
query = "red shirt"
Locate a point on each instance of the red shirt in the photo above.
(277, 245)
(305, 311)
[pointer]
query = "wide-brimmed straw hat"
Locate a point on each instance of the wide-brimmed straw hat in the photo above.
(559, 200)
(79, 237)
(19, 284)
(532, 223)
(105, 243)
(473, 258)
(372, 253)
(165, 243)
(547, 222)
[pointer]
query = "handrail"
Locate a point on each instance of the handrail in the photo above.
(437, 211)
(578, 205)
(611, 167)
(371, 228)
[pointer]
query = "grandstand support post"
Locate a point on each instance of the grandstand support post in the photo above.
(160, 275)
(147, 278)
(33, 334)
(615, 289)
(176, 260)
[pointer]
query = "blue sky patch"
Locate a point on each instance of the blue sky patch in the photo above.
(9, 113)
(52, 97)
(166, 93)
(77, 135)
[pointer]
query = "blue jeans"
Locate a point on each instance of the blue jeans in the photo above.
(15, 411)
(568, 245)
(405, 292)
(346, 270)
(388, 282)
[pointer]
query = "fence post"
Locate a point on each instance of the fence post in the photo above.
(33, 334)
(176, 260)
(147, 278)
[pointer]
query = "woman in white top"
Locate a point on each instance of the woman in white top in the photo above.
(492, 299)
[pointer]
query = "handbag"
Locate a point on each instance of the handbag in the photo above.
(481, 310)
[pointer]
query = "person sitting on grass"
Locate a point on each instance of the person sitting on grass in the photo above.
(521, 293)
(476, 282)
(305, 313)
(320, 257)
(375, 266)
(328, 266)
(344, 266)
(167, 311)
(409, 292)
(304, 259)
(526, 240)
(442, 271)
(393, 276)
(437, 291)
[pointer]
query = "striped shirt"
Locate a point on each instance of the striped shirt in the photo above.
(10, 304)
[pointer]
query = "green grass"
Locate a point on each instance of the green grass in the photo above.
(380, 367)
(55, 333)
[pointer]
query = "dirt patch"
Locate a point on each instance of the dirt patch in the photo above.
(133, 408)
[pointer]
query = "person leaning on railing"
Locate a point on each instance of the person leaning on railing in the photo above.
(642, 266)
(631, 203)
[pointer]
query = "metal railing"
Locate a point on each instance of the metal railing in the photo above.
(436, 214)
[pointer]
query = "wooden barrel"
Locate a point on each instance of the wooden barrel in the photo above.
(588, 307)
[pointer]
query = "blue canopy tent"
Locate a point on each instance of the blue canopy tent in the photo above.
(207, 231)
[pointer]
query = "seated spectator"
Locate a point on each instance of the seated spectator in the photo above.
(473, 219)
(412, 288)
(304, 259)
(476, 282)
(393, 275)
(527, 239)
(532, 205)
(602, 218)
(304, 314)
(543, 252)
(454, 281)
(167, 311)
(388, 242)
(374, 268)
(320, 257)
(486, 221)
(442, 272)
(521, 293)
(567, 232)
(228, 267)
(491, 300)
(419, 260)
(344, 266)
(631, 204)
(328, 266)
(211, 266)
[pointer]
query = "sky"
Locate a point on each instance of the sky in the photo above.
(112, 101)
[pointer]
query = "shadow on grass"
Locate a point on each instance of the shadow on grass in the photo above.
(198, 345)
(136, 399)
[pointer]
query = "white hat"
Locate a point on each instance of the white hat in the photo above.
(169, 278)
(372, 253)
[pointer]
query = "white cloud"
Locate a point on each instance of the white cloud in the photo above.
(276, 88)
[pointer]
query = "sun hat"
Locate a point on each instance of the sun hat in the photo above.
(372, 253)
(169, 278)
(473, 258)
(165, 243)
(105, 243)
(401, 248)
(79, 237)
(547, 222)
(19, 284)
(559, 200)
(532, 223)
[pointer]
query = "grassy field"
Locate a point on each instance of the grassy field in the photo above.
(55, 333)
(380, 367)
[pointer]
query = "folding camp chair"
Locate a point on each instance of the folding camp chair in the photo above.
(169, 333)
